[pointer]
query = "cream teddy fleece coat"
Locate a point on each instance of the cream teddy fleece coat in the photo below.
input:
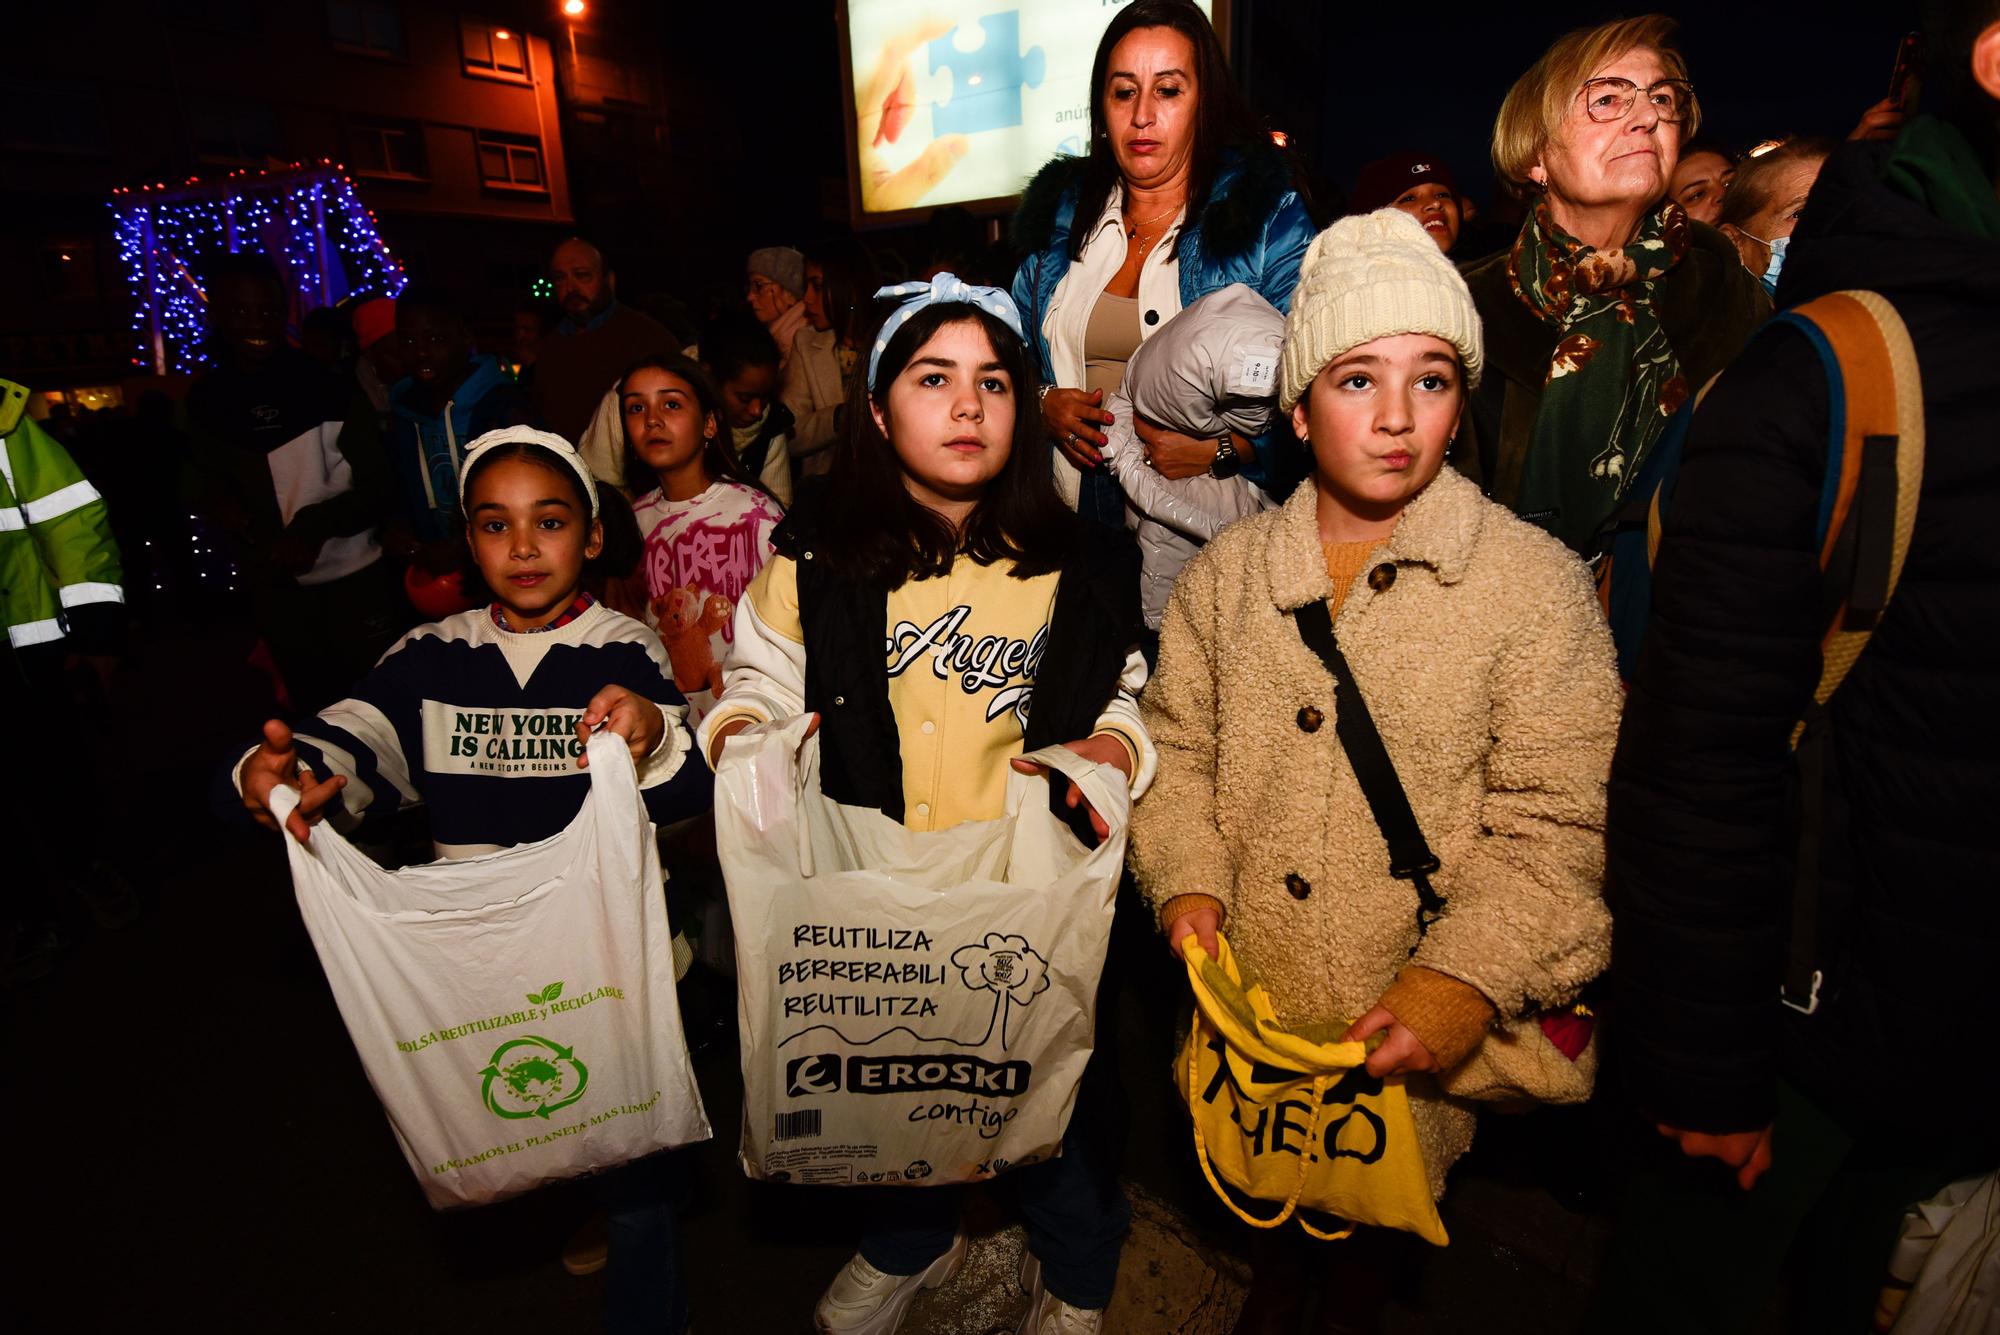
(1477, 642)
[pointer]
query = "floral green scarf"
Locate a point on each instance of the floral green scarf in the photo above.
(1613, 380)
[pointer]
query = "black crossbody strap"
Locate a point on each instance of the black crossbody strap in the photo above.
(1410, 856)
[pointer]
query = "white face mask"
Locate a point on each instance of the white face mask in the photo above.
(1777, 246)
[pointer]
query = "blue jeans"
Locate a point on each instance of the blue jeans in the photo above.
(643, 1290)
(1076, 1213)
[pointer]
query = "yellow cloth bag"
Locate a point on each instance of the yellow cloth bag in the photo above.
(1287, 1119)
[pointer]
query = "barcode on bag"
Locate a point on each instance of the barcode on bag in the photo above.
(797, 1125)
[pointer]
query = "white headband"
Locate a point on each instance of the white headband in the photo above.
(527, 435)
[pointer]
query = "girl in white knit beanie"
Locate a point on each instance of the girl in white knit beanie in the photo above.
(1378, 324)
(1388, 587)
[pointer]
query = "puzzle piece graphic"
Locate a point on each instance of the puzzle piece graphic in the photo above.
(985, 83)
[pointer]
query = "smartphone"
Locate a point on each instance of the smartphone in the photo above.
(1906, 79)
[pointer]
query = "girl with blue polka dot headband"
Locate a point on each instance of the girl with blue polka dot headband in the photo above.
(944, 287)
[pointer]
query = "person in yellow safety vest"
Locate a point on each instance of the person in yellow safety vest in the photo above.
(63, 598)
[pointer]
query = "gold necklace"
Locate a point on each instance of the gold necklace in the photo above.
(1133, 226)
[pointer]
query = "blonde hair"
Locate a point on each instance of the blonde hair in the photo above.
(1540, 99)
(1756, 177)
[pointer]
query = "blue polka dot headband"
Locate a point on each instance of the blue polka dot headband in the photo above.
(943, 288)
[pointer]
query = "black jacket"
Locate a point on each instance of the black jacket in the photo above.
(778, 421)
(1701, 826)
(240, 418)
(1095, 624)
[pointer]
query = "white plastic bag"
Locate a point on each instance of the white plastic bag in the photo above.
(915, 1007)
(1944, 1274)
(515, 1012)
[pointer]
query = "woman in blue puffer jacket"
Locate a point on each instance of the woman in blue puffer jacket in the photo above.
(1187, 196)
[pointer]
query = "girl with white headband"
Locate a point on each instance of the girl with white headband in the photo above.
(940, 536)
(542, 651)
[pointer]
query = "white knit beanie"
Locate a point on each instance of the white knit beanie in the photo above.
(1368, 277)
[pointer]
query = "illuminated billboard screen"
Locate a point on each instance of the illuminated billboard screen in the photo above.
(959, 101)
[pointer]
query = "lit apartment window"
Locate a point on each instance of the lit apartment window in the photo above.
(493, 52)
(387, 148)
(365, 28)
(510, 162)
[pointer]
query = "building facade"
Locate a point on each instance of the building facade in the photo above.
(451, 120)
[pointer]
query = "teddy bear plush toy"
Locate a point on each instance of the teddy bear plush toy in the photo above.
(688, 619)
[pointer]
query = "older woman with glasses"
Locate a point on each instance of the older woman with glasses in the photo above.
(1612, 307)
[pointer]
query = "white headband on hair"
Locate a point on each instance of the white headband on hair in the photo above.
(527, 435)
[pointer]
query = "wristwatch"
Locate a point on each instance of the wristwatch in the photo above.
(1227, 461)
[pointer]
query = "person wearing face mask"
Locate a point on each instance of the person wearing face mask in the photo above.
(1612, 306)
(1792, 1135)
(1764, 203)
(1417, 183)
(1180, 195)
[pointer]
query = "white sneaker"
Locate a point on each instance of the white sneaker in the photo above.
(865, 1301)
(1048, 1314)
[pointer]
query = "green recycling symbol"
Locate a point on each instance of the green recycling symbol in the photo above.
(532, 1077)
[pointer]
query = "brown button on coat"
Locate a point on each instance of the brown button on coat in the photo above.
(1489, 673)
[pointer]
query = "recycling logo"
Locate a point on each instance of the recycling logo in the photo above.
(532, 1077)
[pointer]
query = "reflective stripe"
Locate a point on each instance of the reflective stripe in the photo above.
(11, 519)
(35, 632)
(59, 502)
(88, 591)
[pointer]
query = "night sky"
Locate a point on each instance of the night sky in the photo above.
(1349, 82)
(1358, 82)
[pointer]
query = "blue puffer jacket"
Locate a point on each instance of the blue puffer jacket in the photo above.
(1254, 231)
(427, 447)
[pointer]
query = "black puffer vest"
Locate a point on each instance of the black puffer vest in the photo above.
(845, 623)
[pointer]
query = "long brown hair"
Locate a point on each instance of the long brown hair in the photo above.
(1222, 119)
(718, 457)
(875, 532)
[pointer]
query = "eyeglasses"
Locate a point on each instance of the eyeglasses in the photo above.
(1611, 99)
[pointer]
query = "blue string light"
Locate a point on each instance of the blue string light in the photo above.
(308, 220)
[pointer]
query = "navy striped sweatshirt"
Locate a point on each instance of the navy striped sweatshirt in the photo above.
(479, 724)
